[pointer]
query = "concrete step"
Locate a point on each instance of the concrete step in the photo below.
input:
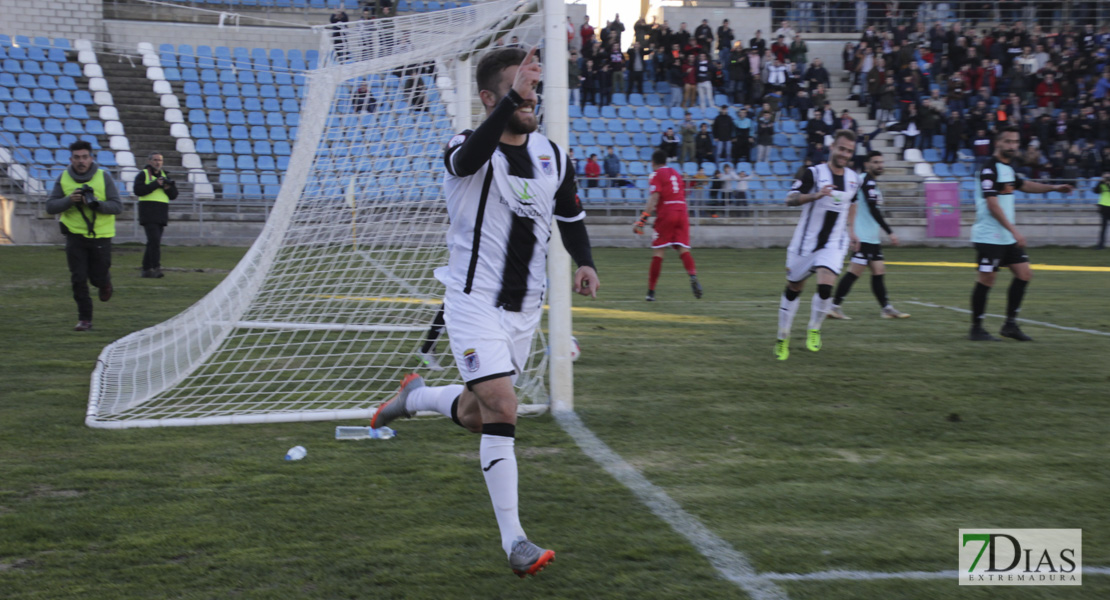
(141, 113)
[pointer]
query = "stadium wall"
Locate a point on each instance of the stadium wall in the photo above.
(130, 33)
(71, 19)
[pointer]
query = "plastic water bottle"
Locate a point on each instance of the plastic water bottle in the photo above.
(348, 432)
(296, 453)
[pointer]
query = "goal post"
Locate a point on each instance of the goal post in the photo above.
(327, 309)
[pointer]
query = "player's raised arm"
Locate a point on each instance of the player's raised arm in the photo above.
(469, 151)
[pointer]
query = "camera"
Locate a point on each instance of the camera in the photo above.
(90, 196)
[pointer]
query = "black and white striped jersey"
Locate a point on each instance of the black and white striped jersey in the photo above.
(823, 221)
(501, 220)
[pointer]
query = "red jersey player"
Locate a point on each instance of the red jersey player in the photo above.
(672, 226)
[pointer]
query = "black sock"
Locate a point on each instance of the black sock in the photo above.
(502, 429)
(979, 303)
(790, 294)
(824, 291)
(433, 332)
(878, 287)
(1013, 298)
(844, 287)
(455, 411)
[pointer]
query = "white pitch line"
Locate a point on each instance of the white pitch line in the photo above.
(1030, 321)
(840, 575)
(729, 562)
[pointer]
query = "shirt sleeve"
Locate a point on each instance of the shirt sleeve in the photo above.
(452, 147)
(567, 206)
(988, 181)
(653, 187)
(1018, 181)
(805, 184)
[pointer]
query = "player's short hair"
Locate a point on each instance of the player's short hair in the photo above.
(847, 134)
(1006, 129)
(659, 157)
(493, 63)
(873, 154)
(80, 145)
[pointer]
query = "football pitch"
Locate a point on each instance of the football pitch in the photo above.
(843, 474)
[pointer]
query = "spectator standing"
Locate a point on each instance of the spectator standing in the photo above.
(676, 78)
(1049, 93)
(689, 82)
(155, 190)
(635, 67)
(613, 168)
(780, 49)
(574, 80)
(786, 32)
(703, 144)
(588, 79)
(593, 172)
(764, 136)
(742, 142)
(799, 51)
(816, 74)
(953, 137)
(887, 101)
(758, 46)
(604, 84)
(723, 133)
(729, 181)
(339, 33)
(669, 143)
(725, 39)
(87, 202)
(689, 131)
(616, 30)
(616, 65)
(704, 36)
(586, 33)
(704, 82)
(573, 41)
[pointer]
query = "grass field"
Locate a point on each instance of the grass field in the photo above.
(867, 456)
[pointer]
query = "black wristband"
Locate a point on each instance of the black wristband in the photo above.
(514, 97)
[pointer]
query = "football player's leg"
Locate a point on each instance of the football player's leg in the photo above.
(655, 269)
(844, 287)
(497, 402)
(822, 298)
(788, 307)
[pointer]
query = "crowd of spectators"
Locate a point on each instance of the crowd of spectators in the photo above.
(951, 87)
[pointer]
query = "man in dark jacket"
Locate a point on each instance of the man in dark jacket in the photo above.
(703, 144)
(817, 73)
(155, 190)
(953, 137)
(87, 202)
(723, 133)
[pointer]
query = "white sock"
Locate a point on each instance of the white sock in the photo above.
(499, 469)
(438, 399)
(818, 312)
(787, 310)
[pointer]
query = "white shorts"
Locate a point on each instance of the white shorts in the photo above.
(800, 267)
(488, 342)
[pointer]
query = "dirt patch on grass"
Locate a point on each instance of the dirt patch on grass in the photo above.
(13, 564)
(45, 491)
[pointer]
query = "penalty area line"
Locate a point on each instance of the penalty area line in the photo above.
(729, 562)
(1030, 321)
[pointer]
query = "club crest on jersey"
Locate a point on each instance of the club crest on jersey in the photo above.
(470, 359)
(546, 164)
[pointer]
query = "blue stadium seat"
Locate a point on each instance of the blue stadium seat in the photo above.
(279, 134)
(33, 124)
(591, 112)
(28, 140)
(106, 158)
(17, 109)
(239, 132)
(241, 147)
(651, 127)
(219, 132)
(580, 125)
(258, 133)
(587, 139)
(265, 163)
(222, 147)
(636, 100)
(290, 106)
(236, 117)
(942, 170)
(763, 169)
(283, 162)
(204, 146)
(616, 126)
(55, 126)
(292, 120)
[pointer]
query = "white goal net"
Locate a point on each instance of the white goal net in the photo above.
(328, 308)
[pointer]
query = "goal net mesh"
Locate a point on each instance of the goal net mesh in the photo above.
(326, 311)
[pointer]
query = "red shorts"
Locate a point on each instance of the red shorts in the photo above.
(671, 229)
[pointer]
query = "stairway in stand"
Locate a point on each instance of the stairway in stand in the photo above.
(142, 115)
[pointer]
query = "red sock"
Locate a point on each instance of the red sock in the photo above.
(653, 272)
(688, 262)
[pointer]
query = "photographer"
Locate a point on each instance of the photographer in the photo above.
(155, 189)
(87, 201)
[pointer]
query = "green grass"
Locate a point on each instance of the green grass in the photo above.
(866, 456)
